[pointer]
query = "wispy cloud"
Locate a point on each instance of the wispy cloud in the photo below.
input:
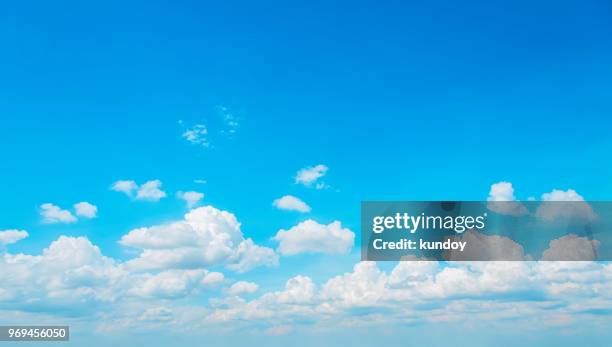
(308, 176)
(198, 135)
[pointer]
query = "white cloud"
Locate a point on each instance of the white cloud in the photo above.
(206, 236)
(309, 175)
(248, 256)
(11, 236)
(564, 204)
(501, 199)
(54, 214)
(291, 203)
(198, 135)
(560, 195)
(192, 198)
(199, 181)
(150, 190)
(86, 210)
(572, 248)
(242, 287)
(125, 186)
(312, 237)
(70, 273)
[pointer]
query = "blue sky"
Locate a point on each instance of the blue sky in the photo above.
(429, 101)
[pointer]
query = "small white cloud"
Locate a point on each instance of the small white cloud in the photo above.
(11, 236)
(309, 175)
(125, 186)
(54, 214)
(242, 287)
(150, 190)
(199, 181)
(312, 237)
(501, 200)
(86, 210)
(291, 203)
(191, 198)
(197, 135)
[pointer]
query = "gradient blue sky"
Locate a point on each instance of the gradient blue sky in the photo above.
(402, 101)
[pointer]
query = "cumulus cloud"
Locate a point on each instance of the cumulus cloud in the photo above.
(291, 203)
(85, 209)
(572, 248)
(309, 175)
(501, 199)
(52, 214)
(312, 237)
(198, 135)
(170, 284)
(72, 274)
(70, 271)
(206, 236)
(192, 198)
(11, 236)
(564, 204)
(242, 287)
(150, 190)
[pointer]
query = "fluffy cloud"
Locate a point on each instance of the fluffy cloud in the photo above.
(242, 287)
(291, 203)
(86, 210)
(198, 135)
(192, 198)
(312, 237)
(309, 175)
(571, 247)
(70, 271)
(501, 200)
(11, 236)
(206, 236)
(170, 284)
(564, 204)
(54, 214)
(125, 186)
(72, 275)
(150, 190)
